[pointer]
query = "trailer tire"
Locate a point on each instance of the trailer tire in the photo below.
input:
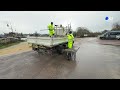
(33, 48)
(60, 49)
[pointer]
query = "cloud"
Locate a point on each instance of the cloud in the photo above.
(31, 21)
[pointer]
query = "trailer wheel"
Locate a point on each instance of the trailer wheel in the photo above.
(60, 49)
(33, 48)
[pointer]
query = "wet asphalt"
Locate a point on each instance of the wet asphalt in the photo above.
(93, 61)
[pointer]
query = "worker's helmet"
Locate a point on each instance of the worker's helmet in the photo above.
(70, 32)
(51, 22)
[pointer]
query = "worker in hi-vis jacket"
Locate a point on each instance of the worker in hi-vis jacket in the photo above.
(51, 29)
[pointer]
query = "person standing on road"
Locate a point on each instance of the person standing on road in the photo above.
(70, 44)
(51, 29)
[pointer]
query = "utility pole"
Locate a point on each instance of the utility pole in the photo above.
(10, 27)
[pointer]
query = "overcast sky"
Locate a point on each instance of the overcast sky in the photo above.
(31, 21)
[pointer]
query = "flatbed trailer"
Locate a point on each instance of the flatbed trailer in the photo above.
(48, 44)
(47, 41)
(51, 45)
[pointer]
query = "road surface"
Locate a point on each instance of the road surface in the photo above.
(93, 61)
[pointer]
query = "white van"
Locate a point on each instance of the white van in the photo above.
(111, 35)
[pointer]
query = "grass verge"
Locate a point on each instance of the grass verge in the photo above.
(10, 44)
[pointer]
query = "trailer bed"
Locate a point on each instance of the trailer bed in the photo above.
(47, 41)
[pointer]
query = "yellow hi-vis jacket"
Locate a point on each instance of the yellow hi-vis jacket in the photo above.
(70, 40)
(51, 29)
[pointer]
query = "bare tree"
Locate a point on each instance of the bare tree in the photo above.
(81, 31)
(116, 26)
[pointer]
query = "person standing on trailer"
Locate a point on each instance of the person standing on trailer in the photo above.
(51, 29)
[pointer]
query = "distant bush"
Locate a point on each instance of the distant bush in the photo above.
(84, 32)
(81, 31)
(116, 26)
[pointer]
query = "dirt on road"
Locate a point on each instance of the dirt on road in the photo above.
(23, 46)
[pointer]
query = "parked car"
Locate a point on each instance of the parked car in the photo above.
(118, 37)
(110, 35)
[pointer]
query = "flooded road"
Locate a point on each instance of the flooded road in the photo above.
(93, 61)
